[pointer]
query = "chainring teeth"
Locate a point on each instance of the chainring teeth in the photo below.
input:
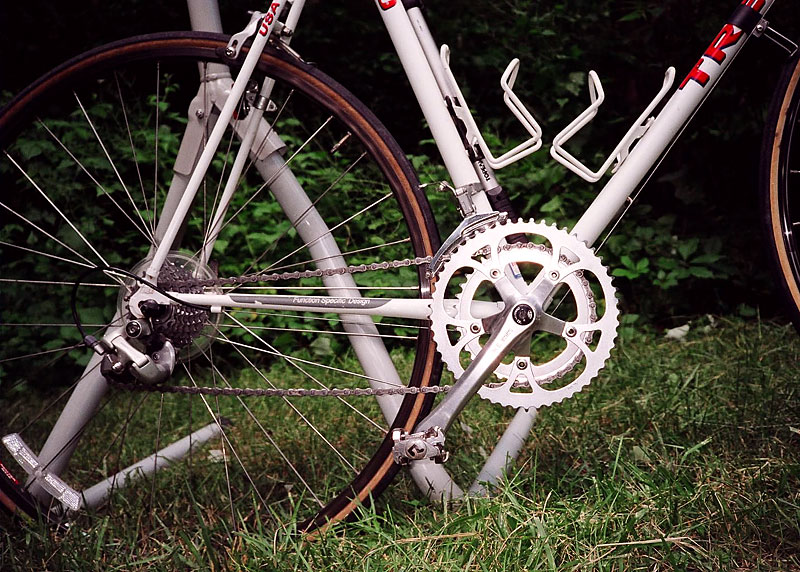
(575, 260)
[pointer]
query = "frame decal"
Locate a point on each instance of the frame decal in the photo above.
(727, 37)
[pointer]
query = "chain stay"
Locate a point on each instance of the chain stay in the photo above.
(289, 392)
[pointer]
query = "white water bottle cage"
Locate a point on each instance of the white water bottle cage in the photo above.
(622, 149)
(531, 145)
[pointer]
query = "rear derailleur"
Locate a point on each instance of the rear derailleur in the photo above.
(135, 352)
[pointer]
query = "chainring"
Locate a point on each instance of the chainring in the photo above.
(545, 367)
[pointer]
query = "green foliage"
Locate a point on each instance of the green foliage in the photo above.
(557, 42)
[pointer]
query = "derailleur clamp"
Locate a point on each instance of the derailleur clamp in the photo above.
(419, 446)
(763, 28)
(463, 196)
(238, 40)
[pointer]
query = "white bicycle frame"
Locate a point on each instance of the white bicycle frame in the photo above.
(427, 69)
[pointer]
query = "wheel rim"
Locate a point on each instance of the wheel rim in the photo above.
(783, 174)
(41, 243)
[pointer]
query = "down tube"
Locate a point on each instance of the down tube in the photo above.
(676, 114)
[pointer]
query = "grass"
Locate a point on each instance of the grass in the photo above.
(683, 455)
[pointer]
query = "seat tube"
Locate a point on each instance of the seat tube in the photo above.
(426, 89)
(204, 15)
(314, 231)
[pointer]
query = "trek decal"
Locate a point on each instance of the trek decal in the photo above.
(386, 4)
(269, 18)
(727, 37)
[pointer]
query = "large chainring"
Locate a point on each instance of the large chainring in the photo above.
(546, 367)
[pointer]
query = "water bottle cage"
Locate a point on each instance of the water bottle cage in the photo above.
(621, 151)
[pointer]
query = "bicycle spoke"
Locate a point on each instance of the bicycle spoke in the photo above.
(302, 416)
(326, 332)
(46, 255)
(155, 147)
(133, 153)
(324, 319)
(268, 350)
(113, 139)
(273, 177)
(45, 233)
(264, 432)
(224, 436)
(143, 228)
(100, 186)
(311, 207)
(157, 447)
(330, 232)
(348, 253)
(321, 385)
(56, 209)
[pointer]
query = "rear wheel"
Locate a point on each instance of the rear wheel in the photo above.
(780, 187)
(87, 162)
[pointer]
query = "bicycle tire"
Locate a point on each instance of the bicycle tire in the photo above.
(780, 172)
(315, 89)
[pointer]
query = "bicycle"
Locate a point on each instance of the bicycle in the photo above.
(486, 288)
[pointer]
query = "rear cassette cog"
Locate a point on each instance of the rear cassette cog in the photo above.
(563, 356)
(188, 328)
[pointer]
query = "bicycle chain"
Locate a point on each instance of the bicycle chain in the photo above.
(319, 273)
(276, 392)
(292, 392)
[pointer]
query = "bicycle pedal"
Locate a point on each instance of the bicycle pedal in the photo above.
(55, 487)
(419, 446)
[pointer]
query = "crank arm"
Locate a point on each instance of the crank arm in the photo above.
(517, 321)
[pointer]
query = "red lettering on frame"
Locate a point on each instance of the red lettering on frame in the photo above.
(754, 4)
(386, 4)
(728, 36)
(697, 75)
(269, 18)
